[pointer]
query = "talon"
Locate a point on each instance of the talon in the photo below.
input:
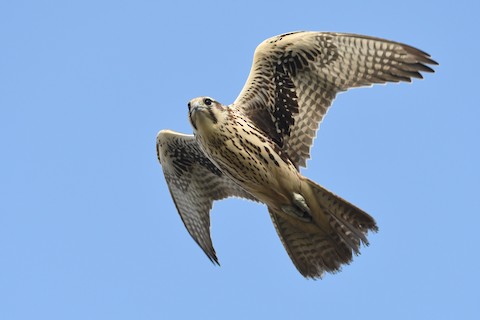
(297, 213)
(300, 202)
(299, 209)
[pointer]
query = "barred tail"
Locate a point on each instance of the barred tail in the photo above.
(327, 242)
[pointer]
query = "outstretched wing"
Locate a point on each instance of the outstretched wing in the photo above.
(295, 77)
(194, 183)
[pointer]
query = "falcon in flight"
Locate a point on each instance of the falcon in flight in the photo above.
(254, 147)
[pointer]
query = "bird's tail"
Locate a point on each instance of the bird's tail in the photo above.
(336, 230)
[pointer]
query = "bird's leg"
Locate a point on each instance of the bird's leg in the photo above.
(299, 201)
(299, 209)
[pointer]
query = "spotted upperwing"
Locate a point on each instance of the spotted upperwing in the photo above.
(296, 76)
(194, 183)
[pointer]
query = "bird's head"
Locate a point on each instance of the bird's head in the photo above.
(205, 113)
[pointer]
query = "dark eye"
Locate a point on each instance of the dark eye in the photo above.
(207, 101)
(189, 106)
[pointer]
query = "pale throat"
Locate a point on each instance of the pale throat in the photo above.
(204, 124)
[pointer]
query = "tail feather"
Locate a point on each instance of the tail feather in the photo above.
(312, 253)
(351, 223)
(336, 231)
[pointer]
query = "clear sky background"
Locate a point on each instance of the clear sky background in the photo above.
(88, 229)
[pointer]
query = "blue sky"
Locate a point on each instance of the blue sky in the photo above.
(87, 226)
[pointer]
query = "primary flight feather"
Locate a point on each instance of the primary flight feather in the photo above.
(254, 147)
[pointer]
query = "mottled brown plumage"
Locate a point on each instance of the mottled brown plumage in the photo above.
(253, 148)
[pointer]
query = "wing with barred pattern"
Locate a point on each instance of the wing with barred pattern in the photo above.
(296, 76)
(194, 183)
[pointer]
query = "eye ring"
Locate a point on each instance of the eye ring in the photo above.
(207, 101)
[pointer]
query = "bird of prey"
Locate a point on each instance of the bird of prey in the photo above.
(254, 147)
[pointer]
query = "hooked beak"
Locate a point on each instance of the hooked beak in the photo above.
(194, 107)
(193, 112)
